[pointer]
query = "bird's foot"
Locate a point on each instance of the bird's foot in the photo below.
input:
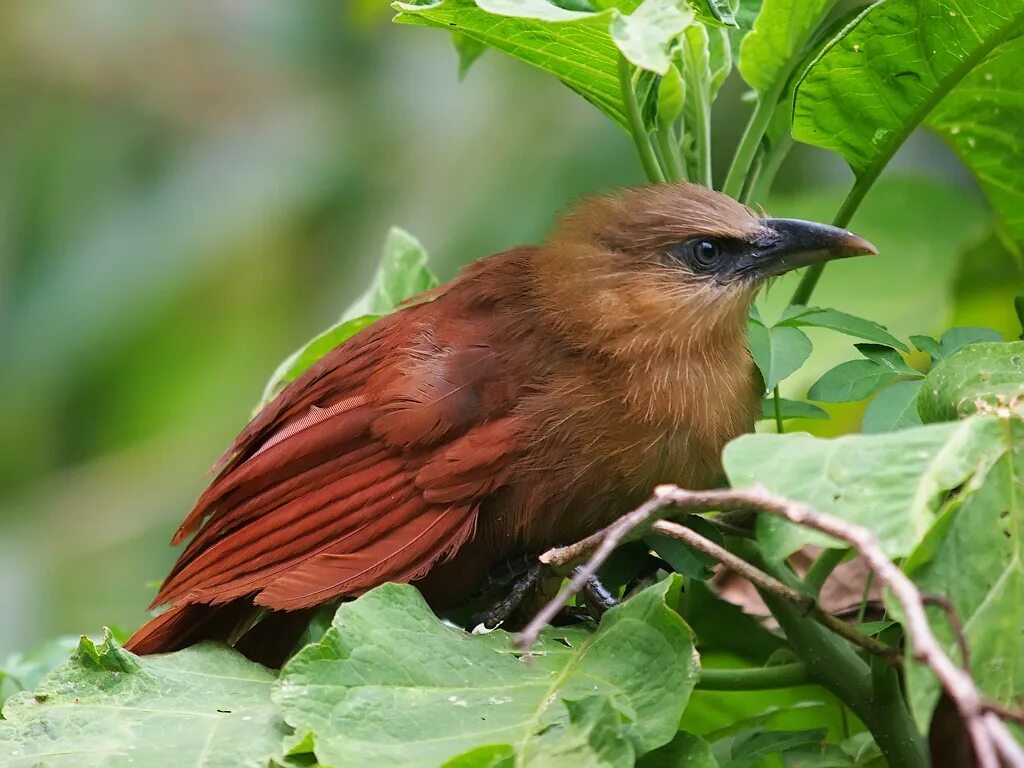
(524, 584)
(596, 596)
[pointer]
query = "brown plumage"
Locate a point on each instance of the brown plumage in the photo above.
(531, 400)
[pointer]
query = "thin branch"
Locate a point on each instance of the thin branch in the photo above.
(955, 624)
(762, 580)
(989, 735)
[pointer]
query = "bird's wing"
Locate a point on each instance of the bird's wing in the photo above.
(368, 468)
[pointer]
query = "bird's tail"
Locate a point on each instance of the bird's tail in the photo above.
(269, 641)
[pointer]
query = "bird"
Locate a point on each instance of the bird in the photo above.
(527, 403)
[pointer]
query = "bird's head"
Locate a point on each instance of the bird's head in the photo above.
(675, 257)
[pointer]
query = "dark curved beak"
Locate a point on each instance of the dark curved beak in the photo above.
(792, 243)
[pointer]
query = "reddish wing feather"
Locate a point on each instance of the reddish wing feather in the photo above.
(369, 468)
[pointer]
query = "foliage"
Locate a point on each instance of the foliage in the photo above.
(937, 472)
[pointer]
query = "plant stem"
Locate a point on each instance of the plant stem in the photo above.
(703, 143)
(672, 161)
(636, 124)
(864, 597)
(836, 667)
(752, 135)
(757, 190)
(777, 402)
(754, 679)
(809, 281)
(822, 568)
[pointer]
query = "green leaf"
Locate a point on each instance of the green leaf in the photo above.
(978, 377)
(893, 483)
(489, 756)
(777, 351)
(23, 671)
(575, 47)
(772, 48)
(852, 380)
(981, 120)
(206, 705)
(298, 361)
(974, 558)
(683, 558)
(671, 95)
(791, 409)
(580, 48)
(391, 685)
(716, 12)
(762, 743)
(724, 626)
(876, 82)
(644, 35)
(403, 272)
(894, 408)
(955, 338)
(929, 345)
(684, 751)
(887, 358)
(835, 320)
(469, 51)
(593, 738)
(705, 60)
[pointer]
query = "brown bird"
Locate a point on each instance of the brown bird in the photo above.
(530, 401)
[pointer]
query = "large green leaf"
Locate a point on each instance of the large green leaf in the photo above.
(389, 684)
(982, 120)
(893, 483)
(207, 706)
(580, 48)
(874, 84)
(974, 558)
(977, 377)
(781, 30)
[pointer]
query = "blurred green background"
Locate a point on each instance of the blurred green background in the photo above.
(189, 190)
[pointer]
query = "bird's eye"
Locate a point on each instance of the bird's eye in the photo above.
(704, 255)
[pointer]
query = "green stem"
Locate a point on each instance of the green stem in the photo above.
(757, 191)
(636, 124)
(862, 611)
(751, 138)
(754, 679)
(777, 401)
(822, 568)
(802, 294)
(673, 161)
(703, 143)
(836, 667)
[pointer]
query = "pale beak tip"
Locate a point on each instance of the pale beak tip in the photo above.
(858, 246)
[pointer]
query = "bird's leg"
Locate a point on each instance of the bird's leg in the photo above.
(522, 578)
(524, 583)
(596, 596)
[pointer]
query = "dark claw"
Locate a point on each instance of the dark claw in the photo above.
(500, 613)
(596, 596)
